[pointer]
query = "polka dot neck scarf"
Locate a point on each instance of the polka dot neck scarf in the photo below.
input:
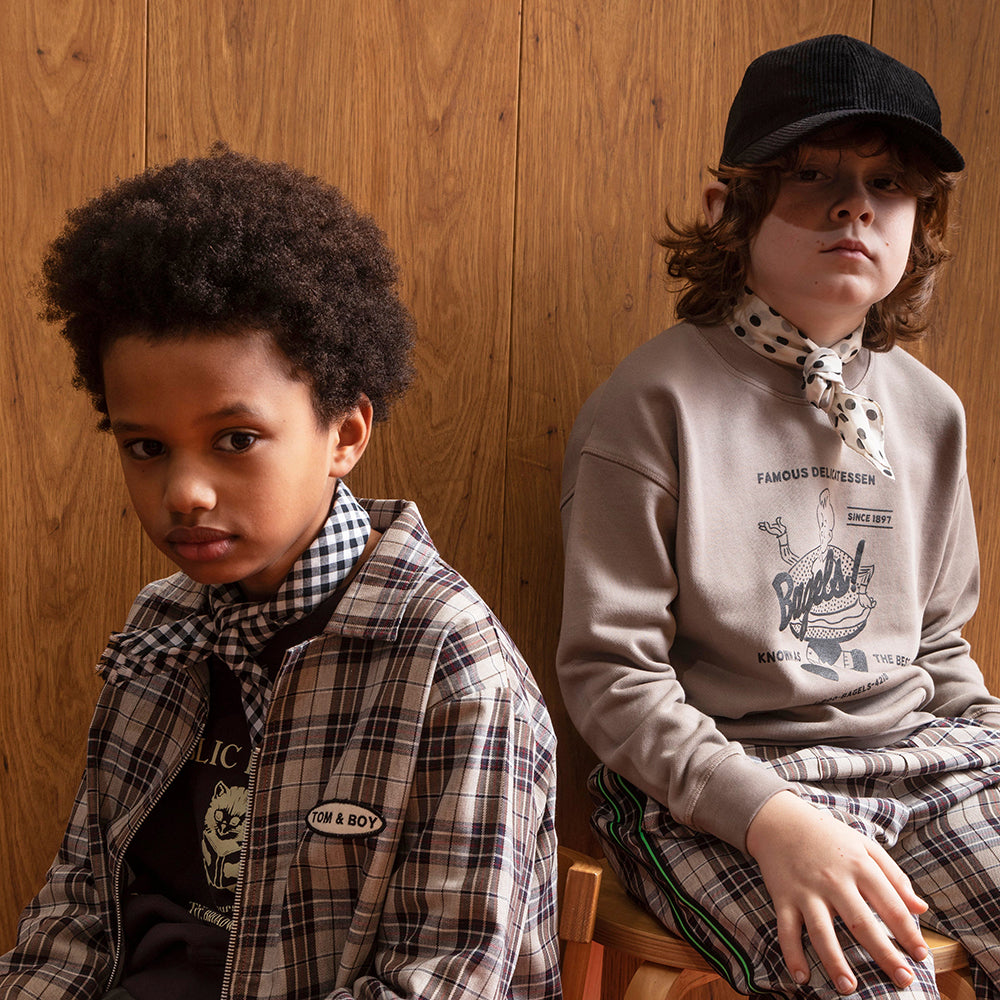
(857, 419)
(236, 630)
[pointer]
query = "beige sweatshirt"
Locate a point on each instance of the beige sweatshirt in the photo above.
(736, 575)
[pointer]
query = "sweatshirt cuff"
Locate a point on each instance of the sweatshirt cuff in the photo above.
(733, 796)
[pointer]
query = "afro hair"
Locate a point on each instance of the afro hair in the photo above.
(225, 243)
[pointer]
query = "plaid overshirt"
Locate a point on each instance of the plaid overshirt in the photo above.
(400, 838)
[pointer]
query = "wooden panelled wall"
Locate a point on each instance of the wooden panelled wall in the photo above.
(519, 155)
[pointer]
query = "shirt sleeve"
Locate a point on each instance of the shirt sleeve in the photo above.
(62, 945)
(614, 663)
(470, 910)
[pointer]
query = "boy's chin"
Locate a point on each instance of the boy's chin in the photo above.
(204, 573)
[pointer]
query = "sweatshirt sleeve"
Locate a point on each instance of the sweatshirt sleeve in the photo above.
(614, 662)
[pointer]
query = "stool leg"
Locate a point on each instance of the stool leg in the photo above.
(956, 984)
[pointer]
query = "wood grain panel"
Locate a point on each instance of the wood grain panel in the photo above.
(71, 119)
(410, 109)
(623, 106)
(432, 117)
(957, 47)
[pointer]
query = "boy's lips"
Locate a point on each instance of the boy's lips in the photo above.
(849, 246)
(200, 544)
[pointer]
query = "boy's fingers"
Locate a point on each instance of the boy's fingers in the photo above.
(896, 905)
(792, 951)
(898, 922)
(863, 926)
(871, 934)
(866, 928)
(823, 937)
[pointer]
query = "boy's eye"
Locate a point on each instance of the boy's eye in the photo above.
(885, 183)
(144, 448)
(236, 441)
(807, 174)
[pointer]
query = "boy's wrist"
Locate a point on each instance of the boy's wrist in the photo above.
(775, 811)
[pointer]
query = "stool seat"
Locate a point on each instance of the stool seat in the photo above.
(648, 962)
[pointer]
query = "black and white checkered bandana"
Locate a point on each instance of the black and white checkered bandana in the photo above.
(237, 630)
(856, 418)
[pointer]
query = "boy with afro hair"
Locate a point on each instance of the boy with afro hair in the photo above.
(318, 766)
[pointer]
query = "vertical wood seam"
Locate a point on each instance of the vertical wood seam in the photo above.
(514, 277)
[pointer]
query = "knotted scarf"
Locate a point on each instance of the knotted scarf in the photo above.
(236, 630)
(856, 418)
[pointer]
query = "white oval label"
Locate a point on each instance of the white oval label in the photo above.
(344, 819)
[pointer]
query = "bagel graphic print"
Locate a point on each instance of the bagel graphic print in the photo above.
(823, 595)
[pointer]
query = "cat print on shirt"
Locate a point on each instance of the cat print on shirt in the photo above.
(222, 838)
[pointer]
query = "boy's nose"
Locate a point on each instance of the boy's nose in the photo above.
(188, 488)
(852, 202)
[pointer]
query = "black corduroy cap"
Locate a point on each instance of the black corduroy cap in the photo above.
(789, 93)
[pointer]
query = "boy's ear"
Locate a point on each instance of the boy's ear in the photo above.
(713, 200)
(349, 437)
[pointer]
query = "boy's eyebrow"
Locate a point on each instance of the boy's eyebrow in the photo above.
(236, 409)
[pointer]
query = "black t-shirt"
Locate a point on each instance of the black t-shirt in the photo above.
(184, 859)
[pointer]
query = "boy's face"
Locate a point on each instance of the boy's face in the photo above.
(836, 241)
(229, 469)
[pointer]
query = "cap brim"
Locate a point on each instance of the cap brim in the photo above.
(940, 150)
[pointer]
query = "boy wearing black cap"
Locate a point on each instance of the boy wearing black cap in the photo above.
(770, 556)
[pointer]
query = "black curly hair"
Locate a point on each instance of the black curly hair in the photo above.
(227, 243)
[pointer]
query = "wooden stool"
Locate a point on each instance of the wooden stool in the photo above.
(645, 961)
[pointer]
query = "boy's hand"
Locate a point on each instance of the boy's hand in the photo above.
(817, 868)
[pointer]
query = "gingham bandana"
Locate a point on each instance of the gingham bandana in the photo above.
(235, 630)
(856, 418)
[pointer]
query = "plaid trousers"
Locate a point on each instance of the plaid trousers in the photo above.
(931, 800)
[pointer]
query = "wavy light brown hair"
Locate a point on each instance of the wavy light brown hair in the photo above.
(710, 262)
